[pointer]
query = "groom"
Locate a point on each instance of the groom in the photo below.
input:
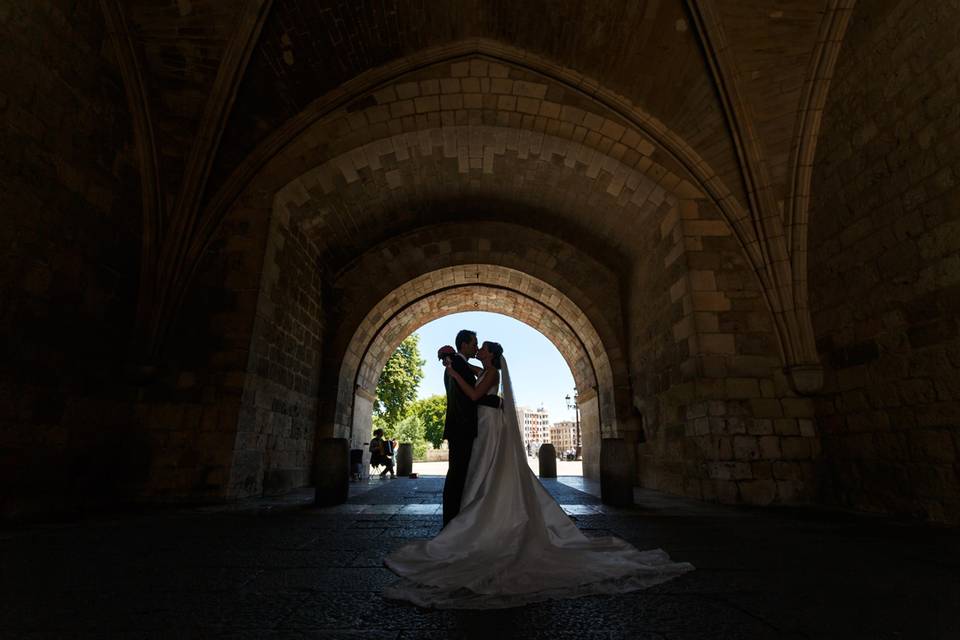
(460, 426)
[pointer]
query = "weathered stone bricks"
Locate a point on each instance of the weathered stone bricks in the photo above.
(786, 426)
(795, 448)
(758, 491)
(746, 448)
(760, 426)
(478, 137)
(889, 231)
(741, 388)
(719, 343)
(69, 239)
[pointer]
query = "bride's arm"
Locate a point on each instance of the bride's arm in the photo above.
(476, 370)
(474, 393)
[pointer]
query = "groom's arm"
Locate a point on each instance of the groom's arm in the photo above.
(462, 367)
(456, 404)
(454, 394)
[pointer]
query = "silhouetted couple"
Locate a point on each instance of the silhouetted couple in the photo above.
(505, 540)
(464, 394)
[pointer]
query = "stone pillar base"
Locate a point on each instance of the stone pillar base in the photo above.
(548, 461)
(616, 473)
(405, 459)
(333, 471)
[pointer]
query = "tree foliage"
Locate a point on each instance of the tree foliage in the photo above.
(410, 429)
(397, 387)
(431, 412)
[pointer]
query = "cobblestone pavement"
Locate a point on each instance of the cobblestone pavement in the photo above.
(280, 568)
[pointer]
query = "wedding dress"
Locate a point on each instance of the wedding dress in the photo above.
(511, 543)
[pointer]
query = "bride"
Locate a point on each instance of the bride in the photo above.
(511, 543)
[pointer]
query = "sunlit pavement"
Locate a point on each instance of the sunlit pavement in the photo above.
(282, 568)
(564, 467)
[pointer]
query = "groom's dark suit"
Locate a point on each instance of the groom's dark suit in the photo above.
(460, 430)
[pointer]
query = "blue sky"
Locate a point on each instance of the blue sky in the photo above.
(540, 375)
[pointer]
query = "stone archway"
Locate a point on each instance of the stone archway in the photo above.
(366, 200)
(479, 288)
(693, 202)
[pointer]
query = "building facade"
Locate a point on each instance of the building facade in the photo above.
(536, 427)
(563, 435)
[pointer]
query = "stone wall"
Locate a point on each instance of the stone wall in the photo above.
(591, 433)
(278, 418)
(719, 419)
(69, 259)
(234, 411)
(362, 429)
(190, 411)
(655, 355)
(885, 262)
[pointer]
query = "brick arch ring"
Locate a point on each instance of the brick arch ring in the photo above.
(502, 290)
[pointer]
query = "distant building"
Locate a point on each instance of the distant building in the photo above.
(563, 435)
(536, 427)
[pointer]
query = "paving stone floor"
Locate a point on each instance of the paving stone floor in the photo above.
(281, 568)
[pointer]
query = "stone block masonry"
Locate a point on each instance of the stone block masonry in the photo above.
(69, 255)
(278, 422)
(720, 421)
(403, 158)
(885, 264)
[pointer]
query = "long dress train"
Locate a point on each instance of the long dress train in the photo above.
(511, 543)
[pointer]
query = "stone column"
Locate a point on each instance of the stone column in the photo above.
(333, 471)
(616, 473)
(548, 461)
(591, 433)
(405, 459)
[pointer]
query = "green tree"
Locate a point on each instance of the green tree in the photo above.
(431, 412)
(410, 429)
(397, 387)
(380, 423)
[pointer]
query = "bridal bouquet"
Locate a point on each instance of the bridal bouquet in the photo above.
(445, 352)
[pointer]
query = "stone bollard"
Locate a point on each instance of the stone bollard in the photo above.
(616, 474)
(405, 459)
(548, 461)
(333, 471)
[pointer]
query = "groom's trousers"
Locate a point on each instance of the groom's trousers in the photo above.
(460, 451)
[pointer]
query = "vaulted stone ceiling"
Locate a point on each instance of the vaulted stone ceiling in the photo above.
(182, 44)
(648, 51)
(772, 44)
(730, 92)
(643, 50)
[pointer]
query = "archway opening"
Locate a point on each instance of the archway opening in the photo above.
(518, 296)
(543, 384)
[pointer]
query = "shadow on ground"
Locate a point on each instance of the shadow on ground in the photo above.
(281, 568)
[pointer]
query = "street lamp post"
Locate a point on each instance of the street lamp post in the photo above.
(574, 403)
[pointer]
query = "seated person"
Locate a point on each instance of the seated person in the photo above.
(381, 453)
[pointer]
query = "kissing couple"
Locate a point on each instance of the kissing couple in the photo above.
(505, 541)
